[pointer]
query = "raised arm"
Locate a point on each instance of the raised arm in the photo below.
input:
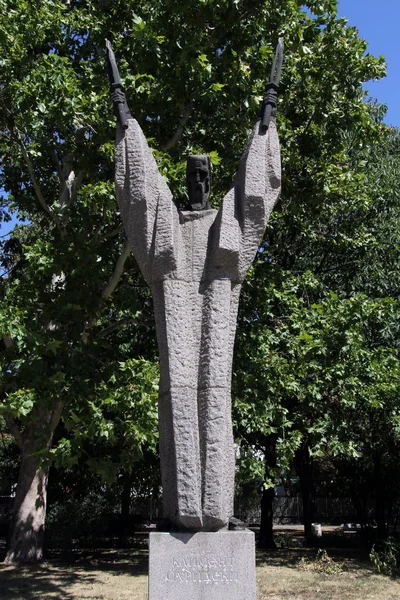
(247, 206)
(145, 201)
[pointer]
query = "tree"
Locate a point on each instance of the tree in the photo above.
(316, 254)
(194, 76)
(331, 359)
(62, 269)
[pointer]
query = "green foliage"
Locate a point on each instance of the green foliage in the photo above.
(385, 556)
(325, 322)
(9, 461)
(317, 366)
(317, 351)
(74, 521)
(322, 563)
(119, 421)
(283, 540)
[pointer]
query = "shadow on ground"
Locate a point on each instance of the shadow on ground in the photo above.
(56, 578)
(39, 581)
(129, 562)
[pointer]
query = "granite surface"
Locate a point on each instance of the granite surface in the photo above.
(202, 566)
(195, 263)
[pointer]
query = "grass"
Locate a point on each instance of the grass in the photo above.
(290, 573)
(106, 575)
(283, 576)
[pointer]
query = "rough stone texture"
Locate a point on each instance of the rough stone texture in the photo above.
(195, 263)
(202, 566)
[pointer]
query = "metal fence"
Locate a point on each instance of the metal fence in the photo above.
(289, 509)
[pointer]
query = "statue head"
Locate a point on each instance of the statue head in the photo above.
(198, 180)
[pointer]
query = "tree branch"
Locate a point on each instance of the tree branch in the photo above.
(35, 183)
(113, 327)
(74, 185)
(116, 276)
(56, 416)
(113, 232)
(8, 341)
(251, 442)
(108, 290)
(57, 163)
(178, 133)
(69, 182)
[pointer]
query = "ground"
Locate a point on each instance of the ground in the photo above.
(289, 573)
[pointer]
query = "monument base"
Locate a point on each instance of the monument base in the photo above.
(202, 566)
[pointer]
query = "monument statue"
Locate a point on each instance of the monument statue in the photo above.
(195, 261)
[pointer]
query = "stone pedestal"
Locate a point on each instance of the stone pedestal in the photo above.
(202, 566)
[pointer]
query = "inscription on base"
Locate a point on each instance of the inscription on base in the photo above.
(203, 568)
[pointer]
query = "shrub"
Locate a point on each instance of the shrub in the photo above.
(385, 556)
(74, 521)
(322, 563)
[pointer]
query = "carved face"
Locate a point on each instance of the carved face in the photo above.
(198, 179)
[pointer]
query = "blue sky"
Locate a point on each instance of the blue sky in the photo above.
(378, 23)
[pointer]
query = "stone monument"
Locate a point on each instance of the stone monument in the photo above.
(194, 262)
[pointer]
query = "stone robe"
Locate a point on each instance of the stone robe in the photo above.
(195, 263)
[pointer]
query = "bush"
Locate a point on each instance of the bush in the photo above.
(322, 563)
(78, 521)
(283, 540)
(385, 556)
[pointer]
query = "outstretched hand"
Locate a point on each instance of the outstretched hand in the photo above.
(270, 100)
(117, 89)
(270, 104)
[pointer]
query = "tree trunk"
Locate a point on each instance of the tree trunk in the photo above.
(360, 511)
(303, 468)
(26, 536)
(27, 526)
(125, 511)
(379, 499)
(266, 539)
